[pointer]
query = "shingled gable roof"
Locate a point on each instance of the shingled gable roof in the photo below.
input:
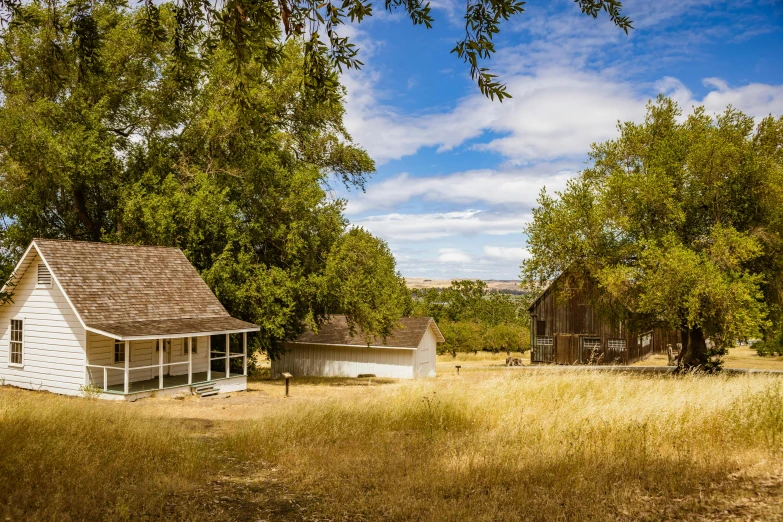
(130, 291)
(407, 335)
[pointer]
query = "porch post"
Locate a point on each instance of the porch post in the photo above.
(244, 353)
(160, 364)
(228, 366)
(127, 366)
(209, 358)
(190, 360)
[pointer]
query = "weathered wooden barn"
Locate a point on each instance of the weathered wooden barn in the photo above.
(567, 327)
(334, 351)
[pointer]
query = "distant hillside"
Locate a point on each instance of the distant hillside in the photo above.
(501, 285)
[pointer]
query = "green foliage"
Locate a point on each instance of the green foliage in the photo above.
(473, 318)
(255, 34)
(771, 346)
(461, 336)
(680, 221)
(506, 338)
(119, 140)
(361, 281)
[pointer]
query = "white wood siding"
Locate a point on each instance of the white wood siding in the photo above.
(425, 355)
(344, 361)
(54, 339)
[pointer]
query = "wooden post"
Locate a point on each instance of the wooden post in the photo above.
(209, 358)
(190, 360)
(160, 364)
(127, 366)
(244, 353)
(228, 366)
(105, 379)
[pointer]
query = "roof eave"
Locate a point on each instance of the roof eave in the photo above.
(354, 345)
(170, 336)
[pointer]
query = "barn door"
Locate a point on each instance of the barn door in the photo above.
(566, 349)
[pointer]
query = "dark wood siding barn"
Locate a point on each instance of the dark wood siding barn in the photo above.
(567, 329)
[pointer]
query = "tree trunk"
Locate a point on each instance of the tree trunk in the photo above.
(80, 205)
(694, 349)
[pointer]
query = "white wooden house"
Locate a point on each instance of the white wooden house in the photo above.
(334, 352)
(123, 320)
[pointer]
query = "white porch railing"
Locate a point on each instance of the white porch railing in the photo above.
(104, 371)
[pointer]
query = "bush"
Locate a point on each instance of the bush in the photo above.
(769, 347)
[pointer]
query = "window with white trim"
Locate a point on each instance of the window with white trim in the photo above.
(542, 340)
(44, 276)
(194, 345)
(616, 344)
(119, 351)
(591, 343)
(16, 350)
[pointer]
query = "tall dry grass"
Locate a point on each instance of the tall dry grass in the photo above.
(534, 446)
(76, 459)
(526, 445)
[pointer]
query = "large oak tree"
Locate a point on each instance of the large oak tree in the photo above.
(681, 221)
(119, 141)
(255, 32)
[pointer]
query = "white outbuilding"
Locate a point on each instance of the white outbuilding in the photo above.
(334, 351)
(117, 321)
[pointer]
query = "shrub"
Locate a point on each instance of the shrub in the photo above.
(772, 346)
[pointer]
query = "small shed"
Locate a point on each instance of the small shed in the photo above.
(122, 321)
(407, 353)
(566, 327)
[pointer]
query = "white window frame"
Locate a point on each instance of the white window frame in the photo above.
(37, 270)
(122, 346)
(185, 341)
(11, 342)
(545, 340)
(592, 343)
(617, 344)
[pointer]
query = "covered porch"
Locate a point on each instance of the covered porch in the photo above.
(120, 363)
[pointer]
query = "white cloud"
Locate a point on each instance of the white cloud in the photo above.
(512, 187)
(555, 113)
(453, 255)
(571, 83)
(506, 253)
(424, 227)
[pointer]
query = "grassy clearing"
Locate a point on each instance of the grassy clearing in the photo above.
(76, 459)
(485, 445)
(738, 357)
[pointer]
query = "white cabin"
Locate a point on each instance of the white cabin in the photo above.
(116, 321)
(334, 351)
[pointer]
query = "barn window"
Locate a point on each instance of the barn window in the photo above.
(44, 277)
(119, 351)
(17, 342)
(543, 340)
(540, 327)
(166, 345)
(591, 343)
(617, 344)
(194, 345)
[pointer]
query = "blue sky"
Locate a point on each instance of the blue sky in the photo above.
(458, 174)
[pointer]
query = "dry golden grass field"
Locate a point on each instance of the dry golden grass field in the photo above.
(490, 444)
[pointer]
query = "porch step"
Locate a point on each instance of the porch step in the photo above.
(205, 389)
